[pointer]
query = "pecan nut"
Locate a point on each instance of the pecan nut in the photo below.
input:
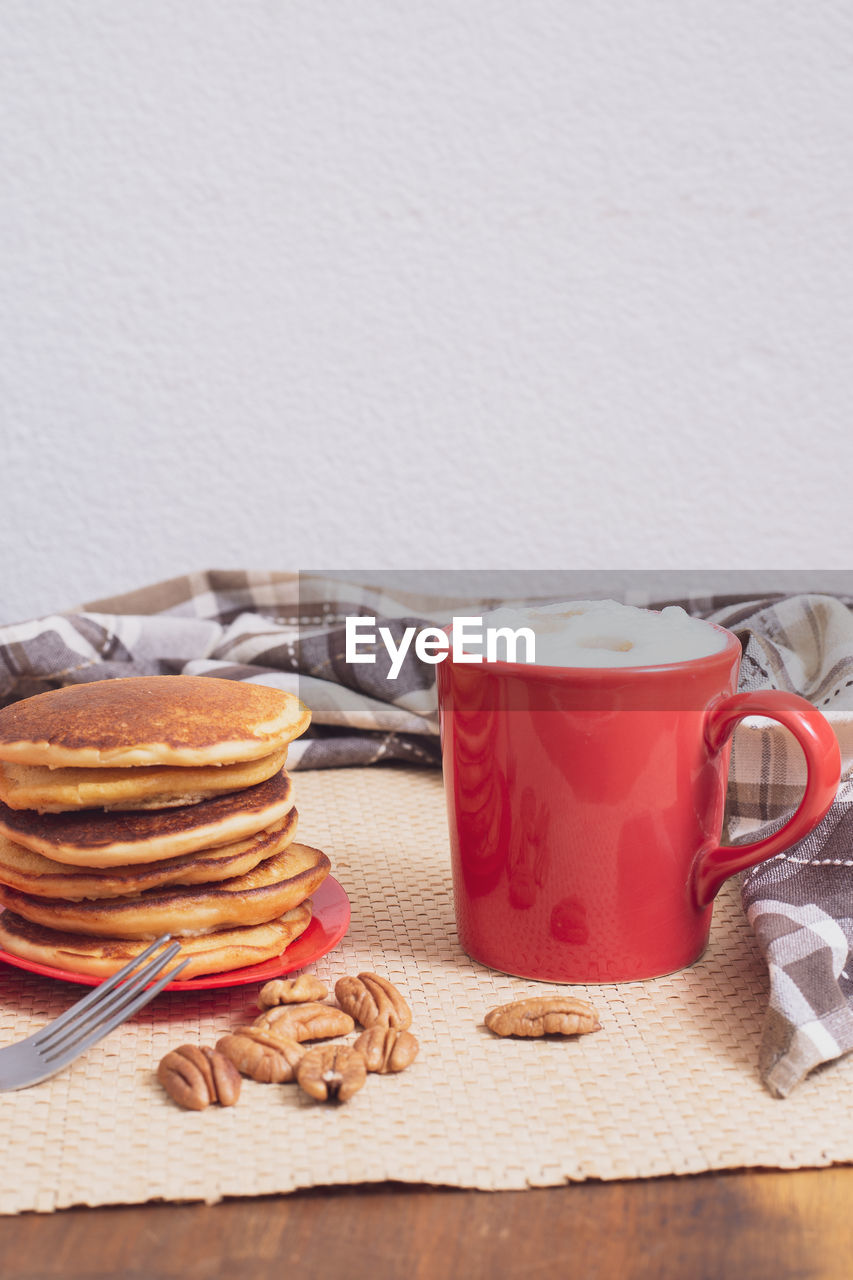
(543, 1015)
(292, 991)
(386, 1049)
(307, 1021)
(195, 1077)
(226, 1079)
(373, 1001)
(262, 1055)
(331, 1072)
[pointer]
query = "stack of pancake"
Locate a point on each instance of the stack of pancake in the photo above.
(150, 805)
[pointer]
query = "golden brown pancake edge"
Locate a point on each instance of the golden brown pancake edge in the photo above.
(97, 839)
(150, 720)
(30, 872)
(99, 957)
(30, 786)
(274, 887)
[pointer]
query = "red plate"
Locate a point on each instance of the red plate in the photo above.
(329, 923)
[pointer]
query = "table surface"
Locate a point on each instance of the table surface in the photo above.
(764, 1225)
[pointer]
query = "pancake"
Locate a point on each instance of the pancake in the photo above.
(34, 786)
(32, 873)
(268, 891)
(92, 838)
(150, 720)
(99, 957)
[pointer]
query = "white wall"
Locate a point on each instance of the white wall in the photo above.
(552, 283)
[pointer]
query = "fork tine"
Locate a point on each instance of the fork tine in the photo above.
(70, 1052)
(98, 993)
(102, 998)
(53, 1037)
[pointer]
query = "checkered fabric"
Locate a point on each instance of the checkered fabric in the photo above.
(287, 630)
(799, 903)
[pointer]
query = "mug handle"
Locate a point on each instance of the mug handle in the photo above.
(823, 766)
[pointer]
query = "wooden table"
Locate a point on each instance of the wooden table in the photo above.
(727, 1226)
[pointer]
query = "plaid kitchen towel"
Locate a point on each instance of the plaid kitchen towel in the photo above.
(281, 629)
(799, 903)
(287, 630)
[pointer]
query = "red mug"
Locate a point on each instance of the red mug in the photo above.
(585, 808)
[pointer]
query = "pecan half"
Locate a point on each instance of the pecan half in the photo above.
(386, 1049)
(373, 1001)
(307, 1021)
(331, 1072)
(195, 1077)
(226, 1078)
(292, 991)
(265, 1057)
(543, 1015)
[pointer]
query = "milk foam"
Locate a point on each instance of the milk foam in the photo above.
(605, 633)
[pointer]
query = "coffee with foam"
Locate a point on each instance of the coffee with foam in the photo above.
(605, 633)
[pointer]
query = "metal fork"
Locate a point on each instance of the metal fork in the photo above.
(47, 1051)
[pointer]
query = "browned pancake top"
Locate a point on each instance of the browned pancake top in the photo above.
(89, 829)
(163, 715)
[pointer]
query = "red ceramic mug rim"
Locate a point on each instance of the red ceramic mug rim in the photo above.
(542, 671)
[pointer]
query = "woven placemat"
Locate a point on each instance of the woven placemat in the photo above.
(668, 1086)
